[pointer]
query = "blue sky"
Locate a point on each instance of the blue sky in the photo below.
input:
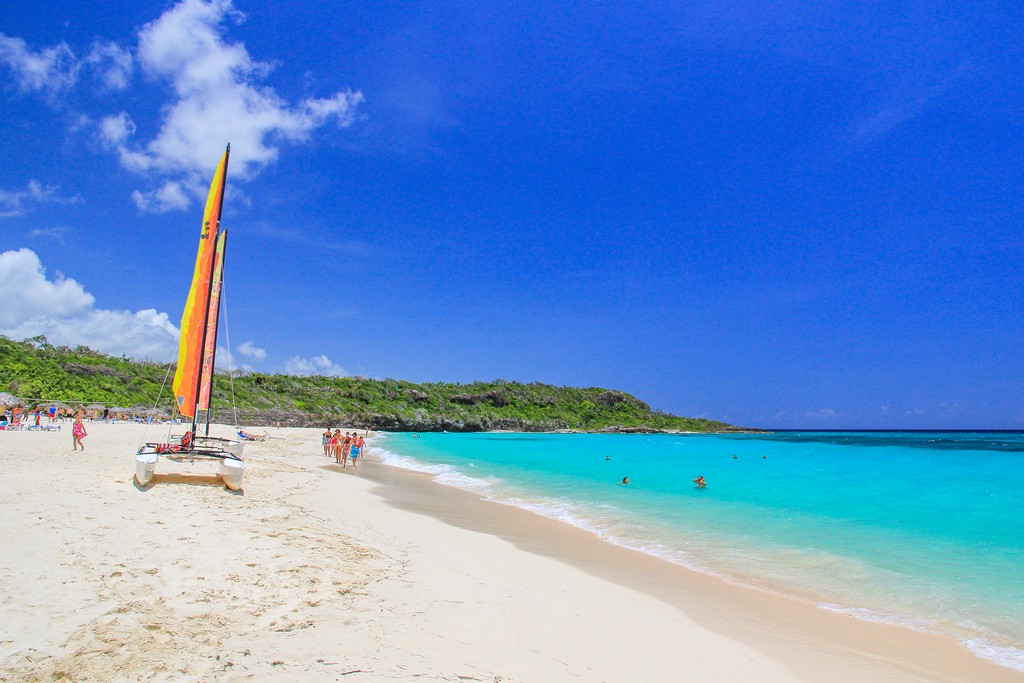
(779, 215)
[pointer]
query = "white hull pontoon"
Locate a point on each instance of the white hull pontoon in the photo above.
(231, 472)
(231, 467)
(145, 466)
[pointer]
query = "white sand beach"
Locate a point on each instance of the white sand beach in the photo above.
(314, 573)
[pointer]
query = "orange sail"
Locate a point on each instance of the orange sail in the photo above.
(210, 350)
(187, 378)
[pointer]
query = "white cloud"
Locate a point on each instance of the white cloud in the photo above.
(111, 63)
(168, 197)
(226, 362)
(904, 102)
(26, 291)
(56, 69)
(217, 98)
(116, 129)
(821, 413)
(53, 233)
(17, 202)
(318, 365)
(250, 350)
(51, 70)
(64, 312)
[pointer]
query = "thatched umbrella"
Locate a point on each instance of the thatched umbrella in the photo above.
(155, 413)
(7, 400)
(140, 411)
(95, 406)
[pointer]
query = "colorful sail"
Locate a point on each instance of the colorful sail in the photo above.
(210, 350)
(194, 320)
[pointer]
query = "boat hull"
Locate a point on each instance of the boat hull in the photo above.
(145, 467)
(231, 472)
(231, 468)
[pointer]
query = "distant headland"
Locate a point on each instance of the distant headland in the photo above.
(37, 372)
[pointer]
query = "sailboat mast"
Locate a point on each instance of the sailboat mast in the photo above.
(209, 289)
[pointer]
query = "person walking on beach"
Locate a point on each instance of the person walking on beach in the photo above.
(78, 433)
(325, 441)
(336, 445)
(346, 446)
(357, 448)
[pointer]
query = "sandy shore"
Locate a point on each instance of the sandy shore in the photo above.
(311, 573)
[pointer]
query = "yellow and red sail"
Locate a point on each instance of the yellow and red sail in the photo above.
(202, 306)
(210, 349)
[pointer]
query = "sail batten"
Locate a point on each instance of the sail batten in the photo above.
(195, 358)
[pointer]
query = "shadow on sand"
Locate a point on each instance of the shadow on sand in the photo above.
(338, 468)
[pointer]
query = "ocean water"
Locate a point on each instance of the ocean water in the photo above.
(923, 529)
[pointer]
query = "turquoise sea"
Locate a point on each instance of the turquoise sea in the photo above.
(924, 529)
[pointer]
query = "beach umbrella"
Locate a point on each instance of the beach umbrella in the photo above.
(8, 400)
(95, 406)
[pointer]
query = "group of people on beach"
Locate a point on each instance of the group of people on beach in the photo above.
(16, 418)
(20, 416)
(41, 415)
(343, 447)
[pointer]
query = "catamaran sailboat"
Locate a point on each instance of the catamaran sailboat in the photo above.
(197, 350)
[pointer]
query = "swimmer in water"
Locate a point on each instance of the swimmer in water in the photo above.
(699, 481)
(625, 481)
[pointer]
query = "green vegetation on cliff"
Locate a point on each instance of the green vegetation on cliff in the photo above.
(35, 371)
